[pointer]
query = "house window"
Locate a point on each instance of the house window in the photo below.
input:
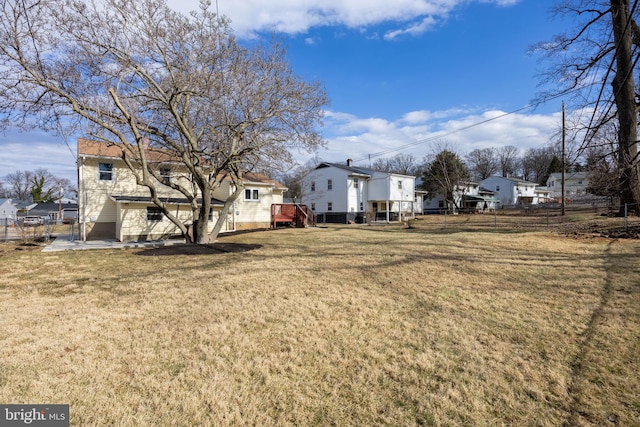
(399, 185)
(313, 206)
(329, 184)
(355, 183)
(210, 217)
(251, 194)
(154, 214)
(165, 175)
(313, 186)
(106, 171)
(330, 206)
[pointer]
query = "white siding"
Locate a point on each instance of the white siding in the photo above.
(252, 213)
(338, 195)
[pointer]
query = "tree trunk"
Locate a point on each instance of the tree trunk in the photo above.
(202, 223)
(624, 96)
(224, 212)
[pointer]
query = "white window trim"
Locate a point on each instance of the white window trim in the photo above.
(112, 172)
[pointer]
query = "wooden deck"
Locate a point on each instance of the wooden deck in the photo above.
(295, 215)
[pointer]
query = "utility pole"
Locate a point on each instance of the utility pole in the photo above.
(564, 159)
(59, 203)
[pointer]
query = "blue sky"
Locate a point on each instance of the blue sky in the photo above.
(403, 76)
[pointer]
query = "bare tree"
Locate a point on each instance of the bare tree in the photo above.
(446, 174)
(19, 185)
(294, 180)
(404, 164)
(596, 63)
(603, 172)
(131, 71)
(483, 163)
(536, 163)
(382, 164)
(602, 164)
(509, 158)
(38, 185)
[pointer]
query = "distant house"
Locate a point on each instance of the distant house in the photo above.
(544, 195)
(340, 193)
(55, 211)
(8, 210)
(113, 206)
(468, 197)
(575, 184)
(511, 191)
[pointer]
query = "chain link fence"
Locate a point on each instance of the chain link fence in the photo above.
(17, 230)
(593, 217)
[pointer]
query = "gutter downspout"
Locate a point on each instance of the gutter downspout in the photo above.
(83, 196)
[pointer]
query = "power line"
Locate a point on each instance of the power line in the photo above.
(464, 128)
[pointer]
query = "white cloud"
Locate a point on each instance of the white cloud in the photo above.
(33, 150)
(413, 30)
(422, 116)
(420, 133)
(298, 16)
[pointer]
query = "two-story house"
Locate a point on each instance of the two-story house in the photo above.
(340, 193)
(511, 191)
(111, 205)
(575, 184)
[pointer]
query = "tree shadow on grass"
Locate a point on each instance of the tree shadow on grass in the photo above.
(184, 249)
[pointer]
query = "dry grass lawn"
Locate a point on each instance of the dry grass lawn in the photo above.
(344, 325)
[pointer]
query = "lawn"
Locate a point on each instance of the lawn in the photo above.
(343, 325)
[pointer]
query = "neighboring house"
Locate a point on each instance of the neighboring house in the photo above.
(511, 191)
(340, 193)
(8, 211)
(575, 184)
(55, 211)
(24, 207)
(483, 202)
(113, 206)
(544, 195)
(468, 197)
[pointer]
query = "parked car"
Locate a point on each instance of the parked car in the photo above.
(31, 221)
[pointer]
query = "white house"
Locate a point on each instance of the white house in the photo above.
(8, 211)
(111, 205)
(511, 191)
(575, 184)
(340, 193)
(544, 195)
(468, 197)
